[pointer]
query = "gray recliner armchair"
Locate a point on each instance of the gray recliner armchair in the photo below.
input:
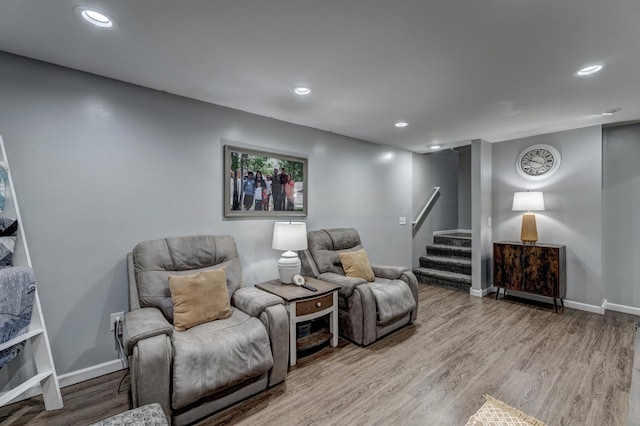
(367, 310)
(201, 370)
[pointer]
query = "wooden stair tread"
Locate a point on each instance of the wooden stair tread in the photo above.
(453, 276)
(448, 247)
(444, 259)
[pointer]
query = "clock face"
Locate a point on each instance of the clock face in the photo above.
(538, 162)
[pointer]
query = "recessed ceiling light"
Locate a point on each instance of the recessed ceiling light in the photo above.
(611, 111)
(402, 123)
(95, 17)
(435, 147)
(301, 89)
(592, 69)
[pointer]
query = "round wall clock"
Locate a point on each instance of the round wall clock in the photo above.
(538, 162)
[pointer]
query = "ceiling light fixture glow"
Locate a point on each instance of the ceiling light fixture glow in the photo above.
(589, 70)
(95, 17)
(301, 89)
(611, 111)
(402, 124)
(435, 147)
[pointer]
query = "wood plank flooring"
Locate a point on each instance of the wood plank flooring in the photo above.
(572, 368)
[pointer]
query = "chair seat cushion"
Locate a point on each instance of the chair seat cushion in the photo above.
(393, 299)
(215, 355)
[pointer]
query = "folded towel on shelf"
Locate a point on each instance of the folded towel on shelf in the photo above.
(18, 289)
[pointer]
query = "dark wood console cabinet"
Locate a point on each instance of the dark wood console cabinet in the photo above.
(531, 268)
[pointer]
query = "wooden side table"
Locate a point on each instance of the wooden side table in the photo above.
(305, 305)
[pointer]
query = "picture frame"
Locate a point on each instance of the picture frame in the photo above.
(246, 169)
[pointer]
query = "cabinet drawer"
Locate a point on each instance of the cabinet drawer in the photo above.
(314, 305)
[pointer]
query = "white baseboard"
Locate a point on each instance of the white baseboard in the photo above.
(481, 293)
(567, 303)
(585, 307)
(77, 376)
(606, 306)
(92, 372)
(621, 308)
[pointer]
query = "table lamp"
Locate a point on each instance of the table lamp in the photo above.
(289, 236)
(528, 201)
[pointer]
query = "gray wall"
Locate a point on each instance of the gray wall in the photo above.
(430, 170)
(621, 215)
(573, 204)
(464, 187)
(101, 165)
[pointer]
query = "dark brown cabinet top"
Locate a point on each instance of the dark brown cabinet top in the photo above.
(520, 243)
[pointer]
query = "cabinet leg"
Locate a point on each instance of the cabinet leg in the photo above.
(555, 304)
(562, 302)
(497, 293)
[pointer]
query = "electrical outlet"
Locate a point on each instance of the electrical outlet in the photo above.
(402, 220)
(114, 318)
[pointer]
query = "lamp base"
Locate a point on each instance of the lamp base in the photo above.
(529, 232)
(288, 266)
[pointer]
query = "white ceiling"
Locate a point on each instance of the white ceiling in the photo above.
(456, 69)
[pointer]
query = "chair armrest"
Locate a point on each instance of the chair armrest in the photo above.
(144, 323)
(254, 301)
(411, 280)
(388, 272)
(399, 273)
(150, 368)
(276, 321)
(347, 284)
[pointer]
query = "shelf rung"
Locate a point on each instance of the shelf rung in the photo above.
(7, 397)
(21, 338)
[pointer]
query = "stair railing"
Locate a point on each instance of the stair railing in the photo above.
(427, 206)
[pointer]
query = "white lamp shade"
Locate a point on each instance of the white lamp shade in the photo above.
(528, 201)
(289, 236)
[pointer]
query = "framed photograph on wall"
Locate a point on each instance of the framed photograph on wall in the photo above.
(264, 184)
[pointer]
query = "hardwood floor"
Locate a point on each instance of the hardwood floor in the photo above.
(572, 368)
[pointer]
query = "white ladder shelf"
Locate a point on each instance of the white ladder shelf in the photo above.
(45, 376)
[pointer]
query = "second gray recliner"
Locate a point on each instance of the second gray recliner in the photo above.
(367, 310)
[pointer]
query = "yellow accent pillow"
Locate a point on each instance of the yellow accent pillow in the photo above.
(199, 298)
(356, 264)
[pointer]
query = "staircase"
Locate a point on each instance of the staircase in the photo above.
(447, 262)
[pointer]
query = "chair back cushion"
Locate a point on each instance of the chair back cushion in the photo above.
(325, 244)
(155, 260)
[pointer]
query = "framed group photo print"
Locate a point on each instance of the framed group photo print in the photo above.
(264, 184)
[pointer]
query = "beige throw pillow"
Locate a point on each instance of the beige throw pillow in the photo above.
(199, 298)
(356, 264)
